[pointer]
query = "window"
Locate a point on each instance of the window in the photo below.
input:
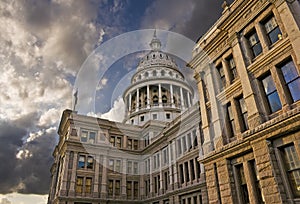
(83, 136)
(187, 174)
(179, 146)
(232, 68)
(222, 76)
(184, 148)
(118, 166)
(128, 189)
(111, 164)
(166, 179)
(253, 170)
(168, 115)
(146, 140)
(110, 187)
(230, 119)
(243, 113)
(254, 43)
(154, 116)
(189, 141)
(79, 185)
(195, 139)
(292, 79)
(242, 183)
(271, 93)
(135, 189)
(292, 167)
(135, 168)
(90, 162)
(135, 144)
(81, 162)
(272, 30)
(143, 117)
(129, 167)
(129, 143)
(116, 141)
(87, 136)
(88, 185)
(198, 169)
(192, 170)
(166, 156)
(164, 100)
(181, 173)
(117, 188)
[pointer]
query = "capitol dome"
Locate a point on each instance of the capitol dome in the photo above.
(158, 90)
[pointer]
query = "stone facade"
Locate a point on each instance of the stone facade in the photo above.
(250, 108)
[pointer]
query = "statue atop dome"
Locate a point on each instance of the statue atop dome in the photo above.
(155, 43)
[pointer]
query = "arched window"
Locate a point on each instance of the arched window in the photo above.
(162, 72)
(155, 100)
(146, 74)
(164, 99)
(154, 73)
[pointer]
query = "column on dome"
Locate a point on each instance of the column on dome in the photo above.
(181, 99)
(189, 99)
(137, 99)
(129, 106)
(159, 95)
(148, 96)
(172, 95)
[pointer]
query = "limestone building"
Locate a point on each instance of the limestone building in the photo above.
(152, 157)
(247, 69)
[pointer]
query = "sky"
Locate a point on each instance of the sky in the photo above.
(43, 45)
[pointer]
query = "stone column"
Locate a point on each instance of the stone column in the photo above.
(161, 190)
(170, 187)
(64, 175)
(123, 184)
(137, 99)
(96, 177)
(181, 99)
(151, 177)
(104, 178)
(189, 99)
(226, 72)
(148, 96)
(262, 37)
(172, 95)
(129, 102)
(254, 116)
(159, 95)
(73, 175)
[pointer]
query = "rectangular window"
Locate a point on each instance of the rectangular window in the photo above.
(118, 142)
(129, 143)
(184, 148)
(135, 144)
(79, 185)
(292, 167)
(271, 93)
(242, 183)
(154, 116)
(187, 174)
(142, 118)
(135, 189)
(243, 113)
(129, 189)
(168, 115)
(253, 170)
(272, 30)
(230, 119)
(195, 139)
(179, 146)
(181, 173)
(189, 141)
(292, 79)
(110, 187)
(83, 136)
(198, 169)
(92, 137)
(232, 67)
(129, 167)
(117, 187)
(254, 43)
(135, 168)
(112, 140)
(192, 169)
(90, 162)
(118, 166)
(222, 76)
(81, 161)
(111, 164)
(88, 185)
(166, 179)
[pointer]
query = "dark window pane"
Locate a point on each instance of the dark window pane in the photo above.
(274, 35)
(294, 88)
(257, 49)
(289, 72)
(274, 102)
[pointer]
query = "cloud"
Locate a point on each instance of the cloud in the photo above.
(191, 18)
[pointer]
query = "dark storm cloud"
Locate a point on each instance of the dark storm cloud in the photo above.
(29, 173)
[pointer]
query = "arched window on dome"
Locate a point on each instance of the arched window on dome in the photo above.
(171, 74)
(146, 74)
(160, 55)
(154, 73)
(164, 100)
(155, 100)
(153, 56)
(167, 57)
(162, 72)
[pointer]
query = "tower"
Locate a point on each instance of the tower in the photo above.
(158, 90)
